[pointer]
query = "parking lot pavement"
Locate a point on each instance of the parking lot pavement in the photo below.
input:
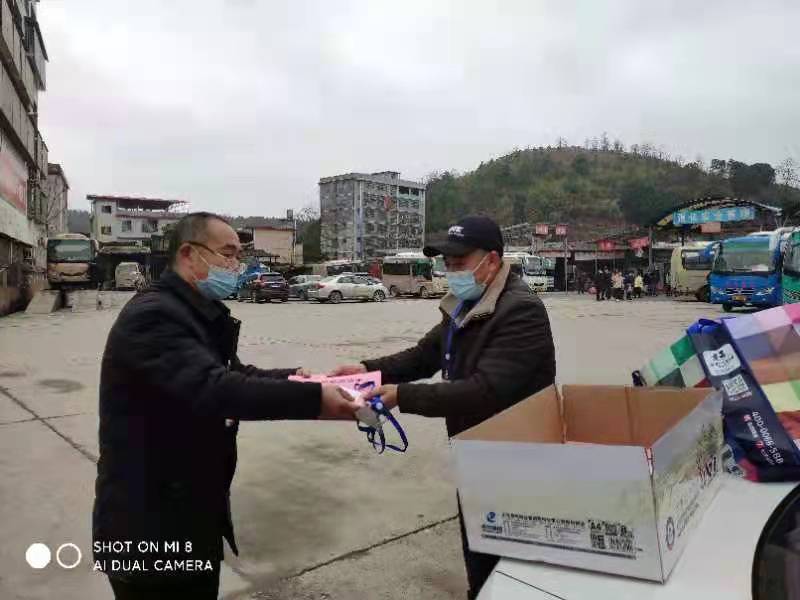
(318, 514)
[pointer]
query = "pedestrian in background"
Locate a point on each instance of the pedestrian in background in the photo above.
(646, 280)
(600, 285)
(638, 284)
(628, 283)
(607, 283)
(617, 283)
(493, 346)
(654, 281)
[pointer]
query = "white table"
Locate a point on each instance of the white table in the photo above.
(716, 564)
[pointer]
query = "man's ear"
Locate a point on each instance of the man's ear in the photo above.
(496, 259)
(185, 250)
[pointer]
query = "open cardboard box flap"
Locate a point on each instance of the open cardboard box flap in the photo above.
(592, 414)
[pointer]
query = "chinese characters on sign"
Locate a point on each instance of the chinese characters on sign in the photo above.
(561, 230)
(542, 229)
(695, 217)
(606, 245)
(639, 243)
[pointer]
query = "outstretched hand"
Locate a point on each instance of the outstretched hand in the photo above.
(342, 370)
(388, 394)
(338, 404)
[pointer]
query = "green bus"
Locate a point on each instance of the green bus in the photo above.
(791, 269)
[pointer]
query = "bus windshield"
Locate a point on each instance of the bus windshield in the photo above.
(438, 267)
(69, 250)
(696, 260)
(534, 265)
(792, 262)
(739, 257)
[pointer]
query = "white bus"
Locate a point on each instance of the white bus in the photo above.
(414, 273)
(531, 269)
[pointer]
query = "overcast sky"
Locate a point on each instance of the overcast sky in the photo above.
(241, 106)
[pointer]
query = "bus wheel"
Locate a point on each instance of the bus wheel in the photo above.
(423, 292)
(394, 292)
(727, 307)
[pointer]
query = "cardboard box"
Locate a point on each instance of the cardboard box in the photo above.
(606, 478)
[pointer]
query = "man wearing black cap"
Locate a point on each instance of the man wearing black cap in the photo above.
(493, 346)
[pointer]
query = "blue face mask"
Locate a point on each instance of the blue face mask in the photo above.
(219, 284)
(463, 285)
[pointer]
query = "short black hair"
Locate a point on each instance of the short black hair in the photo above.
(191, 228)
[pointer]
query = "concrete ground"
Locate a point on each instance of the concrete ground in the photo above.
(318, 514)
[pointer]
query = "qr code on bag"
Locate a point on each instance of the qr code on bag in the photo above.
(736, 387)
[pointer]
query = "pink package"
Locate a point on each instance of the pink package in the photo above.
(354, 383)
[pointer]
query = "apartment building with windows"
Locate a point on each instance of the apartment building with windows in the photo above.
(368, 215)
(24, 204)
(131, 220)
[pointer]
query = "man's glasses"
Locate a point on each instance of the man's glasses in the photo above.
(230, 261)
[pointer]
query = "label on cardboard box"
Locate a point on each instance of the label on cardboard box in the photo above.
(601, 537)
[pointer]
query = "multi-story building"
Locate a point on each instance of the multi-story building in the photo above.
(23, 155)
(116, 219)
(277, 237)
(57, 191)
(370, 215)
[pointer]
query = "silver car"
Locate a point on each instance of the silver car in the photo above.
(347, 287)
(300, 284)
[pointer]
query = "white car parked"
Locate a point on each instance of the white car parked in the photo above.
(336, 288)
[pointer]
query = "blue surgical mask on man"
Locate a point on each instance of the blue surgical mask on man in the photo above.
(220, 282)
(463, 284)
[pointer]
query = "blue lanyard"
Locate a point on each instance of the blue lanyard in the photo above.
(452, 327)
(380, 446)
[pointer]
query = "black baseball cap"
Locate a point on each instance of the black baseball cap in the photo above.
(470, 233)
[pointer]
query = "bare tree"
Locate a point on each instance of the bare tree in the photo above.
(699, 162)
(605, 144)
(786, 172)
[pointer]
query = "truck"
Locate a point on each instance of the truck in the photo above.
(791, 269)
(747, 270)
(690, 266)
(72, 261)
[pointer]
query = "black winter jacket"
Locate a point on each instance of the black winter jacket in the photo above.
(171, 393)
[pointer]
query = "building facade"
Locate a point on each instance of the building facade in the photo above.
(277, 239)
(57, 191)
(24, 204)
(125, 219)
(370, 215)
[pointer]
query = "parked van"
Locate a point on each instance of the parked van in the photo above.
(689, 269)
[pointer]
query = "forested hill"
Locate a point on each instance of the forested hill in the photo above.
(595, 190)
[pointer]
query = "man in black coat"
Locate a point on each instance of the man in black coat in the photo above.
(493, 345)
(172, 391)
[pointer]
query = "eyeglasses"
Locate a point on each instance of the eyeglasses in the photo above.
(230, 261)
